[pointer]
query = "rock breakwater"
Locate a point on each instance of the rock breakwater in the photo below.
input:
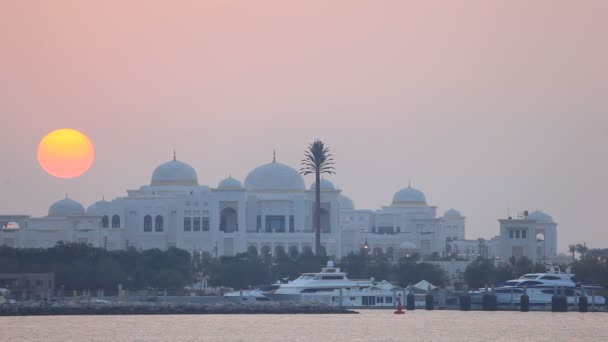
(145, 308)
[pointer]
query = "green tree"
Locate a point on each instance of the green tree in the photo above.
(503, 272)
(317, 160)
(479, 273)
(572, 250)
(409, 272)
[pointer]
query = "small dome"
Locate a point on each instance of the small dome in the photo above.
(409, 195)
(146, 190)
(274, 176)
(540, 216)
(325, 185)
(346, 203)
(174, 172)
(97, 206)
(230, 183)
(407, 245)
(66, 207)
(452, 213)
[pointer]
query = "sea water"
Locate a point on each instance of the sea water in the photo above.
(369, 325)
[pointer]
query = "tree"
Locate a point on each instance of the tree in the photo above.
(317, 160)
(479, 273)
(410, 272)
(582, 249)
(572, 249)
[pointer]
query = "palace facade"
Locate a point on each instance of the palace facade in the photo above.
(270, 211)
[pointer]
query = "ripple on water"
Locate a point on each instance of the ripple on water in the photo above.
(370, 325)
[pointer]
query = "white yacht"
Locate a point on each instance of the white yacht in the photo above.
(540, 288)
(310, 285)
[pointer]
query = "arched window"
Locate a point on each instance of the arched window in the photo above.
(265, 250)
(252, 250)
(147, 223)
(325, 225)
(158, 223)
(115, 221)
(307, 250)
(105, 221)
(279, 252)
(228, 220)
(293, 251)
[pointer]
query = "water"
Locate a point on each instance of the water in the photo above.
(370, 325)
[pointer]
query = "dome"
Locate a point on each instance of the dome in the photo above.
(407, 245)
(325, 185)
(346, 203)
(174, 172)
(146, 190)
(274, 176)
(66, 207)
(230, 183)
(409, 195)
(97, 206)
(452, 213)
(540, 216)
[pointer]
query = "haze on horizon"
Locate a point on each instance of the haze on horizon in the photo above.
(484, 106)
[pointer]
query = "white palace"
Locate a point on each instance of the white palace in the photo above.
(272, 210)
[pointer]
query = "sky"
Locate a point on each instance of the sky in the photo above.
(489, 107)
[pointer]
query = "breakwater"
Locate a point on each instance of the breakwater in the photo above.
(145, 308)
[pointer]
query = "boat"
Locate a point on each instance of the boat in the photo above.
(309, 286)
(255, 295)
(3, 294)
(331, 286)
(540, 288)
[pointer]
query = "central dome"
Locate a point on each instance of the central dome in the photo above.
(274, 176)
(325, 185)
(409, 195)
(174, 172)
(230, 183)
(66, 207)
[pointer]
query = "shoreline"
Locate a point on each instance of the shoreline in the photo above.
(145, 308)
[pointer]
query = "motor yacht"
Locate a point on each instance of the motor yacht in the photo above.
(310, 285)
(540, 288)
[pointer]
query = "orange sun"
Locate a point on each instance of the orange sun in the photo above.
(65, 153)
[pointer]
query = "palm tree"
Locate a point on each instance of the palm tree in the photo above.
(572, 249)
(582, 249)
(317, 160)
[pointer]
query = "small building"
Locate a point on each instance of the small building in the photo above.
(531, 235)
(29, 286)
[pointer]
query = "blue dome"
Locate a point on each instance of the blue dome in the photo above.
(96, 207)
(540, 216)
(453, 213)
(66, 207)
(325, 185)
(274, 176)
(174, 172)
(409, 195)
(346, 203)
(230, 183)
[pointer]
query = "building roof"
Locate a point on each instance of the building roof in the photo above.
(174, 173)
(325, 185)
(409, 195)
(229, 184)
(66, 207)
(274, 176)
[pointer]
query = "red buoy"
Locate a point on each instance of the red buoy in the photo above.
(399, 307)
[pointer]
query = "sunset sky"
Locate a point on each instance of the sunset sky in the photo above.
(483, 105)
